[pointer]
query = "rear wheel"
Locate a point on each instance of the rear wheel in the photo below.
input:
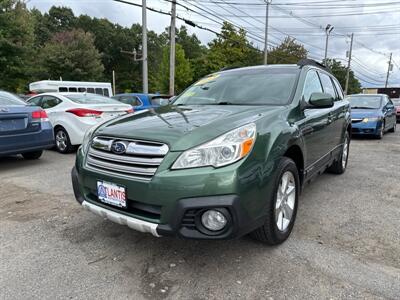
(32, 155)
(339, 166)
(282, 208)
(63, 143)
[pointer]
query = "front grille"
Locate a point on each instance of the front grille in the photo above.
(356, 120)
(138, 159)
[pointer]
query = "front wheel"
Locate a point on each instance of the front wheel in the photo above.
(393, 129)
(339, 166)
(282, 208)
(381, 132)
(32, 155)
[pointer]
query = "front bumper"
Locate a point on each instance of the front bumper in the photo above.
(369, 128)
(184, 218)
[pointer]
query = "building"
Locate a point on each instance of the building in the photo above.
(392, 92)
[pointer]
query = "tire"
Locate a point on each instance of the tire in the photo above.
(339, 165)
(32, 155)
(393, 129)
(63, 142)
(379, 136)
(269, 233)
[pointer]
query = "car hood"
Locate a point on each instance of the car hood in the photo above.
(365, 113)
(183, 127)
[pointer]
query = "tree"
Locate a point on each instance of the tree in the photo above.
(230, 49)
(72, 56)
(288, 52)
(340, 72)
(183, 71)
(16, 45)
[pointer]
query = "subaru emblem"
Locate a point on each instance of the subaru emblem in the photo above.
(118, 147)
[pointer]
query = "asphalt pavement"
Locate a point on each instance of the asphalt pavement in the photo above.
(345, 244)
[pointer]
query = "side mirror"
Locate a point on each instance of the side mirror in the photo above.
(320, 100)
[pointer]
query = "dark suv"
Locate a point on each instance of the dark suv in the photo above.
(227, 157)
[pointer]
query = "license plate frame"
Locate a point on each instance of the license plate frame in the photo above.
(112, 194)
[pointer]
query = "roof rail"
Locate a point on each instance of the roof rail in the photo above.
(310, 62)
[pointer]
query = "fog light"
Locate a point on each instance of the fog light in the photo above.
(213, 220)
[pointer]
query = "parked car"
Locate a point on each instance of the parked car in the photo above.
(73, 113)
(142, 101)
(24, 129)
(228, 157)
(396, 103)
(372, 114)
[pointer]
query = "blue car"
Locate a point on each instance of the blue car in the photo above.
(372, 114)
(24, 129)
(142, 101)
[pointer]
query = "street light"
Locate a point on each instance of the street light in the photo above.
(328, 30)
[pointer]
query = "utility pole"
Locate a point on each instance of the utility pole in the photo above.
(113, 79)
(390, 68)
(172, 50)
(328, 31)
(348, 65)
(268, 2)
(144, 48)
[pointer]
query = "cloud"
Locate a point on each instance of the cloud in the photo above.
(370, 66)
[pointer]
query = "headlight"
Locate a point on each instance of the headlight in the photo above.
(224, 150)
(374, 119)
(87, 137)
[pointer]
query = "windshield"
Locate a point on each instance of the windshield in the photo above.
(366, 102)
(260, 86)
(91, 99)
(10, 99)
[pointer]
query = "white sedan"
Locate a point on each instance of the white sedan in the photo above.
(72, 114)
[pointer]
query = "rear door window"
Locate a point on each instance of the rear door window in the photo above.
(73, 90)
(131, 100)
(338, 89)
(90, 90)
(99, 91)
(82, 90)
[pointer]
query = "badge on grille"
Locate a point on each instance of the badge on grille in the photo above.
(118, 147)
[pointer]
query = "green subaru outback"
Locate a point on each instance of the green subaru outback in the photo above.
(227, 157)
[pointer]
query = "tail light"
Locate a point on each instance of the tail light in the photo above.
(129, 111)
(40, 116)
(83, 112)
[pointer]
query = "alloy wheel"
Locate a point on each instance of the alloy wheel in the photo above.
(61, 140)
(285, 201)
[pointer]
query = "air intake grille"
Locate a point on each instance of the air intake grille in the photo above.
(135, 159)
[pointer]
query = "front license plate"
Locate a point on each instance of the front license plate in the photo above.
(111, 193)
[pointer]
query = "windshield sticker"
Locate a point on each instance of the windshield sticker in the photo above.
(207, 79)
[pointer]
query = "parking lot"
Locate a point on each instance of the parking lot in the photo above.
(345, 244)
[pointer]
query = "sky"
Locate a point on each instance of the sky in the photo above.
(375, 24)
